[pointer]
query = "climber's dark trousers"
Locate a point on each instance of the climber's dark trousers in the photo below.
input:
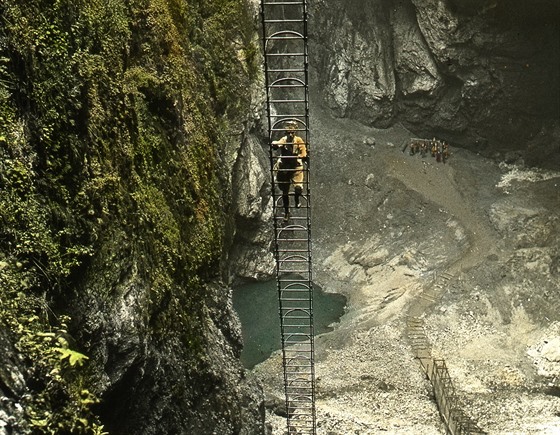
(286, 196)
(286, 201)
(297, 190)
(285, 180)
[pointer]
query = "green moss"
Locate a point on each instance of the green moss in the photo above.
(114, 117)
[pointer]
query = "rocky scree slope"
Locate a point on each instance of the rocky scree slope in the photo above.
(470, 246)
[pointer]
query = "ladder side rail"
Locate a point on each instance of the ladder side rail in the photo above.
(307, 176)
(272, 158)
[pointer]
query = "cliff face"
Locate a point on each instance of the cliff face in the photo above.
(482, 74)
(120, 124)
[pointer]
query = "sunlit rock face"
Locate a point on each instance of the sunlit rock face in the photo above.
(482, 74)
(251, 257)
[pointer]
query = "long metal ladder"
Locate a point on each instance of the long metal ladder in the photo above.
(284, 27)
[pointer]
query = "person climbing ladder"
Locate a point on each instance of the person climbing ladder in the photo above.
(290, 165)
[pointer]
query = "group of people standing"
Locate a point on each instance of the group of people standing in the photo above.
(438, 148)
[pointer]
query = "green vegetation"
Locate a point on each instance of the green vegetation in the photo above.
(114, 118)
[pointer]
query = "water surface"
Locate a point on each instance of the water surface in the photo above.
(257, 307)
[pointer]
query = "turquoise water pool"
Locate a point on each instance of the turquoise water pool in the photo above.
(257, 307)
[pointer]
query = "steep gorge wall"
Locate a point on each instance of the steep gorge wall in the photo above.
(481, 74)
(120, 125)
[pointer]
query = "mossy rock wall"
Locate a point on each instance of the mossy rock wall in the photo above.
(118, 121)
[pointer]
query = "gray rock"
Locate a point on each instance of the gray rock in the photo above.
(474, 74)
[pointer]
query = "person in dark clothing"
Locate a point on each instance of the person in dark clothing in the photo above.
(290, 165)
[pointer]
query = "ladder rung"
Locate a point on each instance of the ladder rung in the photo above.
(288, 115)
(295, 298)
(299, 406)
(299, 271)
(304, 283)
(286, 86)
(297, 356)
(298, 371)
(288, 265)
(284, 269)
(294, 292)
(290, 280)
(288, 101)
(300, 281)
(285, 3)
(293, 250)
(286, 329)
(301, 388)
(284, 283)
(284, 38)
(293, 240)
(291, 20)
(298, 228)
(285, 70)
(306, 291)
(304, 426)
(300, 342)
(302, 418)
(294, 342)
(291, 362)
(295, 53)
